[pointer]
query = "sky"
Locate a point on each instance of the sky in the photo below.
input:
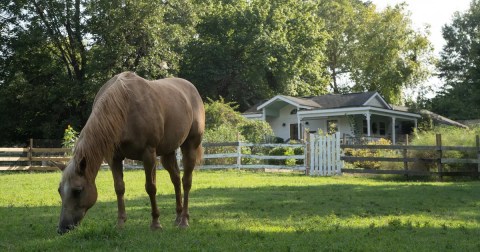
(436, 14)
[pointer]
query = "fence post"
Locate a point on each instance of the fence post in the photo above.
(440, 155)
(405, 156)
(30, 153)
(478, 155)
(307, 161)
(239, 152)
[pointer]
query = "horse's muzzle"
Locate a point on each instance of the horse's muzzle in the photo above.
(65, 229)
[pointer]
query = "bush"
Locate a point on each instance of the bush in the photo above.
(223, 124)
(282, 151)
(374, 153)
(451, 136)
(69, 139)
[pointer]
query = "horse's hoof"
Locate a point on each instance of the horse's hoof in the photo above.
(120, 224)
(155, 226)
(177, 221)
(183, 224)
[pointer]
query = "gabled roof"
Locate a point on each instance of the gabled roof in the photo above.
(328, 101)
(295, 101)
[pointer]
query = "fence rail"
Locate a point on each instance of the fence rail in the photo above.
(252, 161)
(240, 155)
(439, 160)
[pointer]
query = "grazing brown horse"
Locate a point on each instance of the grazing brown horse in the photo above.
(137, 119)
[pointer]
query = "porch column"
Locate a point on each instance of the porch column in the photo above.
(394, 140)
(369, 125)
(299, 125)
(416, 124)
(264, 114)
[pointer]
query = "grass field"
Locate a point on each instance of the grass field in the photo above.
(249, 211)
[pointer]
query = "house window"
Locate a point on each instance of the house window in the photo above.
(374, 128)
(332, 126)
(382, 128)
(365, 127)
(293, 112)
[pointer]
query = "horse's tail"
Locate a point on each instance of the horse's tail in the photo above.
(199, 160)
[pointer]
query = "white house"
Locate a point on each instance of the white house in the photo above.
(355, 115)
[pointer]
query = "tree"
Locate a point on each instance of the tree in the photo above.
(341, 22)
(459, 67)
(56, 54)
(375, 51)
(245, 51)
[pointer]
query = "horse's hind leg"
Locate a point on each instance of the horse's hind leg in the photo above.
(149, 164)
(170, 164)
(117, 171)
(190, 150)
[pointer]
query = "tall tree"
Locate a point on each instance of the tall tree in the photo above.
(459, 66)
(250, 50)
(56, 54)
(390, 55)
(341, 22)
(372, 50)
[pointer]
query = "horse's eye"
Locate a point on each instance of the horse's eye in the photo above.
(76, 192)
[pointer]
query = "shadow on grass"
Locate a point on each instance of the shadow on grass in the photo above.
(324, 217)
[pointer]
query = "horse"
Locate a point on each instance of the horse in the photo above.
(137, 119)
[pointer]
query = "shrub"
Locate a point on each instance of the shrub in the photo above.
(69, 139)
(282, 151)
(374, 153)
(451, 136)
(223, 124)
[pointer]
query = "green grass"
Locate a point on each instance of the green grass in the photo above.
(248, 211)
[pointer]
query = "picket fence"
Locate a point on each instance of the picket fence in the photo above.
(325, 154)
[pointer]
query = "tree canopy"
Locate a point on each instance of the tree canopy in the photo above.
(55, 55)
(459, 67)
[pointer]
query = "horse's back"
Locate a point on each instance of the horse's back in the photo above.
(163, 114)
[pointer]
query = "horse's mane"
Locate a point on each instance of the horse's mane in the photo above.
(101, 133)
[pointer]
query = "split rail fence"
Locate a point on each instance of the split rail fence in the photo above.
(31, 158)
(320, 156)
(439, 161)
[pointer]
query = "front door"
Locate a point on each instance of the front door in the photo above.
(293, 131)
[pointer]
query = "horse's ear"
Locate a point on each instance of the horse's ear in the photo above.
(82, 166)
(58, 165)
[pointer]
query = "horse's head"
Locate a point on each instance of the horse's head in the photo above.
(78, 194)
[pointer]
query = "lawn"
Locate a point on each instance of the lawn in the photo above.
(250, 211)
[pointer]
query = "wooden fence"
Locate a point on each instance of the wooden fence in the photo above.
(37, 158)
(252, 160)
(439, 161)
(241, 155)
(30, 158)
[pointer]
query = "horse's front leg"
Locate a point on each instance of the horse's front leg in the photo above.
(149, 164)
(117, 170)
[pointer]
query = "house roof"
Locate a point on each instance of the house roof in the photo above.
(328, 101)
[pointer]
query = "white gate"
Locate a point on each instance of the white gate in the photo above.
(325, 155)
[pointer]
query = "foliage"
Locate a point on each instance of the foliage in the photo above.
(69, 138)
(459, 67)
(55, 55)
(451, 136)
(250, 50)
(224, 124)
(282, 151)
(374, 50)
(246, 211)
(373, 153)
(390, 55)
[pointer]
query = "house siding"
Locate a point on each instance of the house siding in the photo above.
(284, 116)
